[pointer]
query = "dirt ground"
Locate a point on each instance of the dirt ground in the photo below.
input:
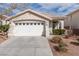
(73, 50)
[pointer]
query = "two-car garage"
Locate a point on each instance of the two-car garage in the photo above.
(28, 28)
(29, 23)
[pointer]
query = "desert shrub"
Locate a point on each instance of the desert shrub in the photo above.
(4, 28)
(62, 44)
(61, 47)
(58, 31)
(56, 39)
(77, 39)
(75, 43)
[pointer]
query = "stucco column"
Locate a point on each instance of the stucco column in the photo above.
(47, 29)
(50, 27)
(62, 24)
(10, 32)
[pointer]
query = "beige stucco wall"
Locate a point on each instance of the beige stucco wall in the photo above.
(73, 20)
(30, 16)
(67, 21)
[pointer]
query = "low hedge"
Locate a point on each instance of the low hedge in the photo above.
(58, 31)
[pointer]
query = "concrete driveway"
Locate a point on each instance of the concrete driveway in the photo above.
(25, 46)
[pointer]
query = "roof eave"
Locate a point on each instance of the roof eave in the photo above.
(23, 12)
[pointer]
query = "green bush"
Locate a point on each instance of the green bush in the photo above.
(4, 28)
(62, 47)
(58, 31)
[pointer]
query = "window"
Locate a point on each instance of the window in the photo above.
(38, 23)
(34, 23)
(31, 23)
(42, 23)
(16, 23)
(23, 23)
(27, 23)
(19, 23)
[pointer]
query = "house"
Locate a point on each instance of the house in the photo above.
(33, 23)
(72, 21)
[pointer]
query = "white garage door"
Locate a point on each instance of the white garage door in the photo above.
(28, 28)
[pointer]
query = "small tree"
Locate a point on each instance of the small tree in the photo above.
(9, 10)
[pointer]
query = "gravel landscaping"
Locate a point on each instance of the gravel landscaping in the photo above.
(72, 49)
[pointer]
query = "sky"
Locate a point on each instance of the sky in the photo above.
(49, 8)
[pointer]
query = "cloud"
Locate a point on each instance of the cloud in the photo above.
(51, 8)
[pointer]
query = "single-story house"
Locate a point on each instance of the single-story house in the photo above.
(33, 23)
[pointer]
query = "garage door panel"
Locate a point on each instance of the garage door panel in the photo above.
(32, 29)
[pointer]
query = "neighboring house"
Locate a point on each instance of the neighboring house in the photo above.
(32, 23)
(72, 21)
